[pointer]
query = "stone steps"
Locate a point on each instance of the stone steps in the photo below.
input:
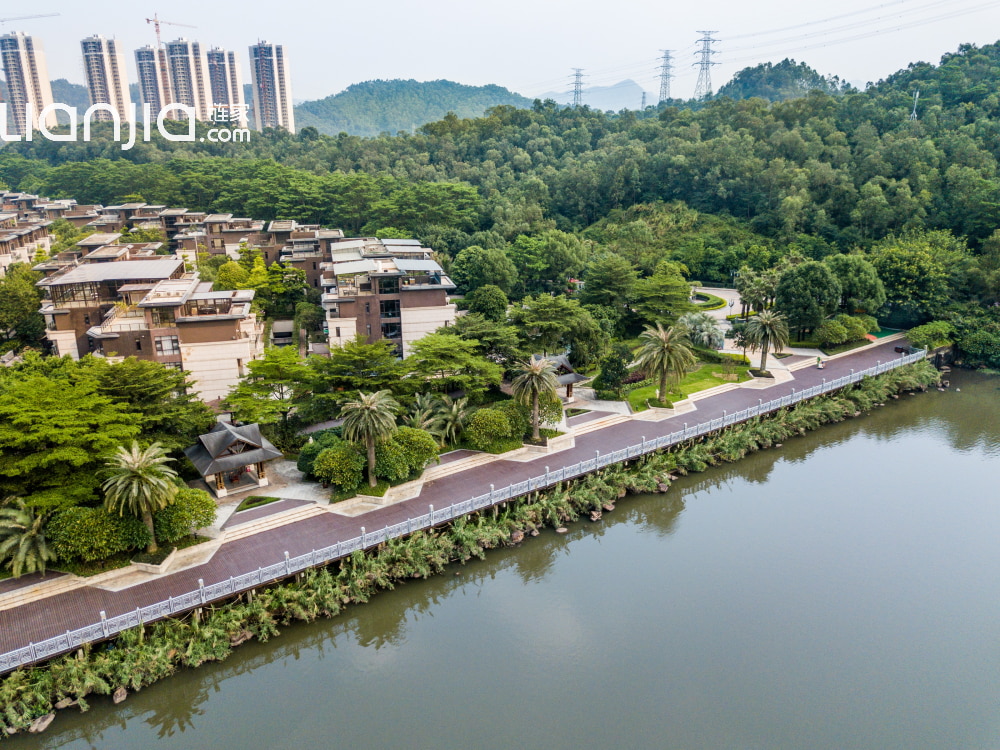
(243, 530)
(600, 424)
(42, 590)
(443, 470)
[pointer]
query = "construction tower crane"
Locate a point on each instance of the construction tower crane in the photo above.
(161, 55)
(155, 20)
(28, 18)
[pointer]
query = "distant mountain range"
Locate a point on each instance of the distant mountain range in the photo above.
(375, 107)
(625, 94)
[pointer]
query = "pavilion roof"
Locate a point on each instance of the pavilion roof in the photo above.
(227, 447)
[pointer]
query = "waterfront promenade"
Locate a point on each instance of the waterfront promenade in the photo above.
(40, 617)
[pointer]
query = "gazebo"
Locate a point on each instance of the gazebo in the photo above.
(566, 375)
(231, 458)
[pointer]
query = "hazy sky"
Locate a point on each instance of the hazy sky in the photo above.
(527, 45)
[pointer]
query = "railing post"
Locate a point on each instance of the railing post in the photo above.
(546, 476)
(643, 443)
(491, 497)
(201, 588)
(288, 565)
(104, 623)
(363, 535)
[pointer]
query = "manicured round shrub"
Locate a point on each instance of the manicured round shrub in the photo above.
(341, 466)
(487, 428)
(191, 510)
(320, 440)
(391, 461)
(831, 333)
(855, 327)
(518, 415)
(419, 446)
(94, 534)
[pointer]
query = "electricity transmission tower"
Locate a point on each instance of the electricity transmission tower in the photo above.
(666, 73)
(577, 87)
(704, 86)
(916, 97)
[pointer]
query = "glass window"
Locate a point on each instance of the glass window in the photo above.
(168, 345)
(389, 286)
(389, 308)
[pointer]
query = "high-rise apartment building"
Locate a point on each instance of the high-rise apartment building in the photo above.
(226, 83)
(189, 78)
(27, 81)
(104, 67)
(154, 81)
(272, 87)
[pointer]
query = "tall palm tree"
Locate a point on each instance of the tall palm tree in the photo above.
(769, 330)
(535, 378)
(140, 483)
(370, 418)
(665, 353)
(702, 330)
(22, 539)
(454, 413)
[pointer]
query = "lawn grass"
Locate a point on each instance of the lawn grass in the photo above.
(699, 380)
(255, 501)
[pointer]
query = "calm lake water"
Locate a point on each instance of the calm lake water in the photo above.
(839, 592)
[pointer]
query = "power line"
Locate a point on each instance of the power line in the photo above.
(704, 86)
(819, 21)
(666, 73)
(874, 32)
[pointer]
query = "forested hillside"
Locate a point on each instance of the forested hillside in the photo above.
(375, 107)
(717, 187)
(785, 80)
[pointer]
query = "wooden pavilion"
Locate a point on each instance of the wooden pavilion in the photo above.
(231, 458)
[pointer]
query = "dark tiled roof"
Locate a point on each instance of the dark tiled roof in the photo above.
(211, 454)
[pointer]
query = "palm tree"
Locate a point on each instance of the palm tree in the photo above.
(140, 483)
(21, 538)
(702, 330)
(425, 414)
(454, 413)
(534, 379)
(370, 418)
(666, 354)
(768, 330)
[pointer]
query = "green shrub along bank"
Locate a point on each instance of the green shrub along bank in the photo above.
(141, 656)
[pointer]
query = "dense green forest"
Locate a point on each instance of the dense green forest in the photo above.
(374, 107)
(716, 187)
(785, 80)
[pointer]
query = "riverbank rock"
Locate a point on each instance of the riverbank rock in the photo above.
(622, 492)
(662, 487)
(65, 703)
(516, 536)
(534, 532)
(238, 639)
(119, 695)
(608, 507)
(561, 530)
(595, 515)
(41, 723)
